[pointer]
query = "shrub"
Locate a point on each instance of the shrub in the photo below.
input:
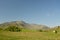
(1, 29)
(40, 30)
(13, 29)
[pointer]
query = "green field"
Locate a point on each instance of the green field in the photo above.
(4, 35)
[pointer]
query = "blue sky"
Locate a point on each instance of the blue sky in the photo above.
(45, 12)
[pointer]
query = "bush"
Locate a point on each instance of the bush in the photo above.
(40, 30)
(13, 29)
(1, 29)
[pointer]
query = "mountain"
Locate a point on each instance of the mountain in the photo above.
(22, 24)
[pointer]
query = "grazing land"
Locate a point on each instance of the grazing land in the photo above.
(19, 30)
(4, 35)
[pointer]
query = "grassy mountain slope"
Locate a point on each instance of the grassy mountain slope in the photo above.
(24, 25)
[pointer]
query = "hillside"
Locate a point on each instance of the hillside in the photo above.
(28, 35)
(22, 24)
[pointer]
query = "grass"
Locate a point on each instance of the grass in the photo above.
(4, 35)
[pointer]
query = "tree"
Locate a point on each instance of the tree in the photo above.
(13, 29)
(40, 30)
(1, 29)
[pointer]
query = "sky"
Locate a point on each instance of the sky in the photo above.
(46, 12)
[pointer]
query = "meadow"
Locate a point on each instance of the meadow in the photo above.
(6, 35)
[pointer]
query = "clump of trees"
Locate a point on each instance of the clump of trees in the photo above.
(1, 29)
(43, 30)
(40, 30)
(13, 29)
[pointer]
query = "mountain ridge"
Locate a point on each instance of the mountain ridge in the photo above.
(25, 25)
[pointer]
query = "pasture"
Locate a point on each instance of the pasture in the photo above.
(5, 35)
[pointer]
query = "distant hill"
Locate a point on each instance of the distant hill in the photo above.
(57, 28)
(22, 24)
